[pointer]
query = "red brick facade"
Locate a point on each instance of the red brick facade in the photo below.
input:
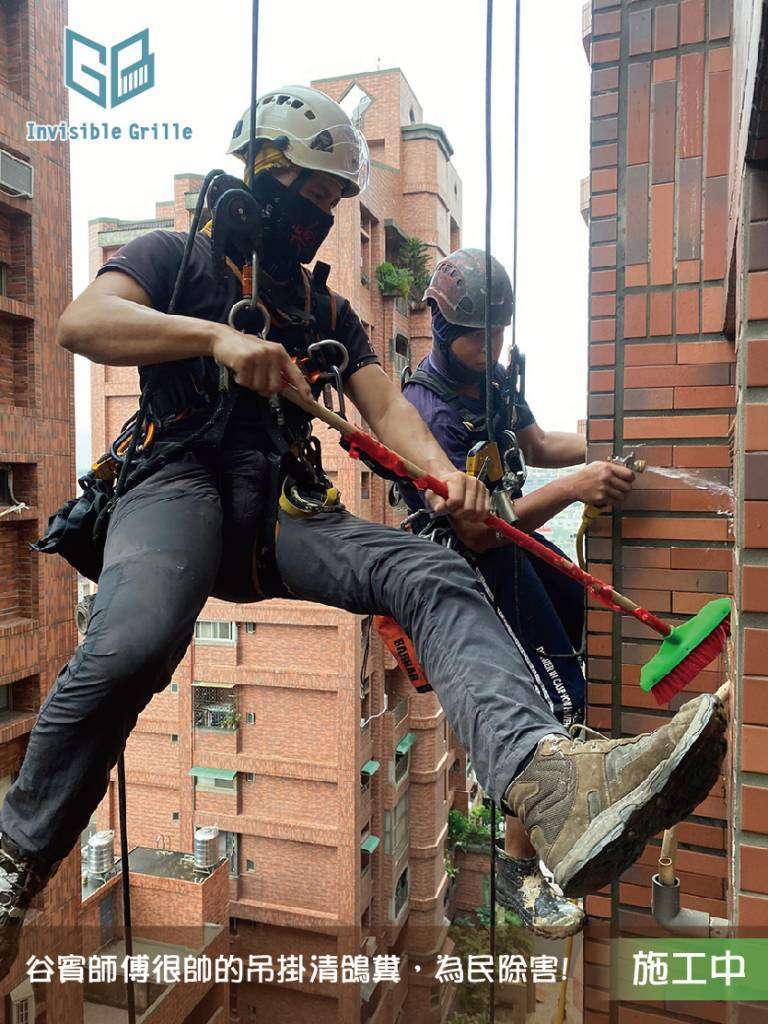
(677, 369)
(299, 808)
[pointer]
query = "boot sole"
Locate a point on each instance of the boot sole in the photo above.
(617, 837)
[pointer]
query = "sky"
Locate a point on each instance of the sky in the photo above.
(202, 80)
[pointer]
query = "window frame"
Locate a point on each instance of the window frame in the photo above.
(221, 641)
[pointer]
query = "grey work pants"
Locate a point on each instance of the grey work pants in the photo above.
(165, 548)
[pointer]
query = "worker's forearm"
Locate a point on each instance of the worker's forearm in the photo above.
(541, 505)
(559, 449)
(119, 332)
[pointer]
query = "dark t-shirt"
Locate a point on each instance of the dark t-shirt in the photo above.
(153, 261)
(444, 420)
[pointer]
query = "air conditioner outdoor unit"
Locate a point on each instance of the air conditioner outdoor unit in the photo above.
(16, 176)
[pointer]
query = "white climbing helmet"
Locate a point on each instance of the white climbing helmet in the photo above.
(318, 134)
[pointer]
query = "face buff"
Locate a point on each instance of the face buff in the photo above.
(293, 227)
(444, 334)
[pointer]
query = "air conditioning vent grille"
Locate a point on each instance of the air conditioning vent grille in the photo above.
(16, 176)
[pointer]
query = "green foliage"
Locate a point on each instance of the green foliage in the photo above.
(414, 256)
(472, 831)
(231, 720)
(394, 280)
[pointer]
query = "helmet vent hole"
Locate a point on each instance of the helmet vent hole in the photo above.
(296, 104)
(267, 99)
(309, 114)
(282, 99)
(323, 141)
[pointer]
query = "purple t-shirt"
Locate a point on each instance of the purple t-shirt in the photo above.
(444, 421)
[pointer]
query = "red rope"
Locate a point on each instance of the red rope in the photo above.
(362, 442)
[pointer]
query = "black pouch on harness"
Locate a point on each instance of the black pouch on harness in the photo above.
(77, 531)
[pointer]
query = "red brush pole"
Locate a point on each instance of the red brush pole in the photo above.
(359, 441)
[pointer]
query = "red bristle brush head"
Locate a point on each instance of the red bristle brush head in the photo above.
(695, 662)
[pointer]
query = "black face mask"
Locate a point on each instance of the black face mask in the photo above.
(293, 227)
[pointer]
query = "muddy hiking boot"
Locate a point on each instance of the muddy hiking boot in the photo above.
(539, 906)
(21, 879)
(589, 807)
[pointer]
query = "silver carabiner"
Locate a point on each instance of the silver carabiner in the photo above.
(336, 344)
(250, 304)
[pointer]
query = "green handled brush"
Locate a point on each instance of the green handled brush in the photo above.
(686, 650)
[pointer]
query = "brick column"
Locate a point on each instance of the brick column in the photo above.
(661, 381)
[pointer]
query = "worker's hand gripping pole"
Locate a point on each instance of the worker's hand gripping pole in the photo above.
(359, 441)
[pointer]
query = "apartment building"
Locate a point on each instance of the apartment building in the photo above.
(36, 444)
(329, 777)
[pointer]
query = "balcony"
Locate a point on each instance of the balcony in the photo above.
(215, 707)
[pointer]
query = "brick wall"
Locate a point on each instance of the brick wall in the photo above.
(661, 381)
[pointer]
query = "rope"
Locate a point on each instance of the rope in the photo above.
(126, 883)
(489, 418)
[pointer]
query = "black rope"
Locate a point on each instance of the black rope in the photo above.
(489, 419)
(126, 882)
(488, 199)
(516, 199)
(251, 151)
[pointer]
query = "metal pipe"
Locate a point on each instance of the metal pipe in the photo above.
(666, 909)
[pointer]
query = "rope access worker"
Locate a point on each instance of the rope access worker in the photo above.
(543, 609)
(201, 524)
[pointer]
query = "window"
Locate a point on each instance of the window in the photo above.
(249, 865)
(214, 707)
(400, 898)
(397, 827)
(214, 780)
(174, 737)
(21, 1013)
(366, 233)
(249, 776)
(175, 816)
(401, 355)
(402, 765)
(174, 687)
(365, 485)
(250, 718)
(354, 103)
(212, 632)
(250, 627)
(3, 278)
(228, 848)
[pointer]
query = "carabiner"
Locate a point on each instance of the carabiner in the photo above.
(249, 305)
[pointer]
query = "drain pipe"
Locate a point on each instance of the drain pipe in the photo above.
(665, 890)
